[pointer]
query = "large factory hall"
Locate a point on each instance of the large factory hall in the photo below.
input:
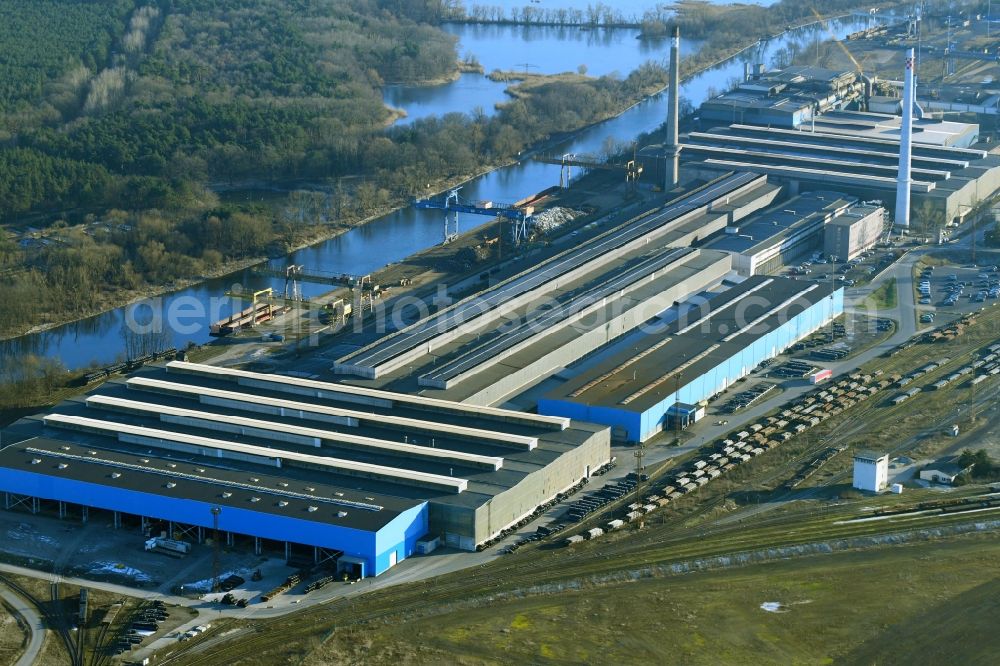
(481, 413)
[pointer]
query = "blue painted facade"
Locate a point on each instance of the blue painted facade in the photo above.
(399, 536)
(640, 426)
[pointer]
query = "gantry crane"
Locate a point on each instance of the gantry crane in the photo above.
(293, 273)
(566, 162)
(453, 204)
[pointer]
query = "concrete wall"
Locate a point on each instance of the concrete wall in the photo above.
(735, 213)
(871, 476)
(783, 251)
(846, 241)
(466, 527)
(539, 487)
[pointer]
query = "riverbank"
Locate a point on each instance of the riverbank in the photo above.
(437, 187)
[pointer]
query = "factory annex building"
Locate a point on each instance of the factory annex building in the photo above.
(320, 470)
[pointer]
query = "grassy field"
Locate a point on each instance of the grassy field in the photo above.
(884, 298)
(574, 599)
(852, 607)
(12, 637)
(830, 608)
(960, 629)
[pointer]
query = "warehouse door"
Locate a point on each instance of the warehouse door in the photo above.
(392, 559)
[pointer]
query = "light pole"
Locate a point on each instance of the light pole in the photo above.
(215, 548)
(640, 452)
(973, 220)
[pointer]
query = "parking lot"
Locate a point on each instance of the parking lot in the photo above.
(849, 274)
(961, 288)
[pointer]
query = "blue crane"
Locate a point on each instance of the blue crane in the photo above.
(452, 204)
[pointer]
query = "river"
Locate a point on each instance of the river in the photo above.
(628, 8)
(395, 236)
(530, 49)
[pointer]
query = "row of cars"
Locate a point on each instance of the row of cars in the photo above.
(747, 397)
(576, 511)
(740, 447)
(144, 624)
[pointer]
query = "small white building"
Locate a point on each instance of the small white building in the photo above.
(871, 471)
(943, 471)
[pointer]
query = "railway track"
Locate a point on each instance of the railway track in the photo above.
(858, 415)
(99, 655)
(808, 523)
(523, 575)
(55, 618)
(870, 406)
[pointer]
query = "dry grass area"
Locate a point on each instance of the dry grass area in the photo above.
(850, 608)
(12, 637)
(53, 652)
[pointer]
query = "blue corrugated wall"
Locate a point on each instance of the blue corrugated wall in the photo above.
(642, 426)
(400, 535)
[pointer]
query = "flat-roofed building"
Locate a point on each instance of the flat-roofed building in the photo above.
(854, 231)
(394, 467)
(639, 390)
(871, 471)
(767, 240)
(858, 156)
(757, 107)
(943, 470)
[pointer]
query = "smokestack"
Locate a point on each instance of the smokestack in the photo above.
(868, 84)
(904, 180)
(673, 150)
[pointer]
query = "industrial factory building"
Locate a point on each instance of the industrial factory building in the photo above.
(335, 472)
(765, 241)
(490, 307)
(577, 319)
(786, 98)
(926, 130)
(507, 337)
(639, 391)
(854, 231)
(947, 180)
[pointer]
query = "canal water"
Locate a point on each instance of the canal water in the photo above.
(393, 237)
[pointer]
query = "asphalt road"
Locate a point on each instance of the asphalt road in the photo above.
(31, 619)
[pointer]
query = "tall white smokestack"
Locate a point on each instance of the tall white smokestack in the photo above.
(673, 150)
(904, 180)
